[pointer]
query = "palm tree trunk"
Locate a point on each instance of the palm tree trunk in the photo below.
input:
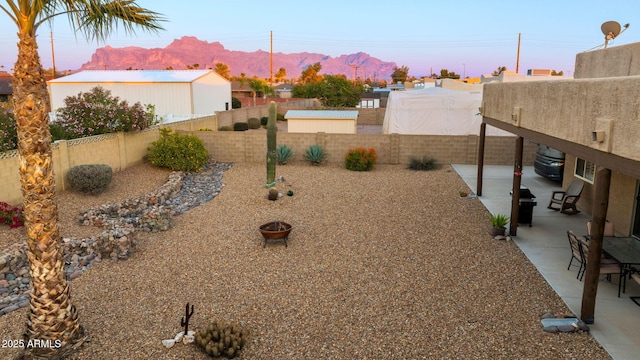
(52, 319)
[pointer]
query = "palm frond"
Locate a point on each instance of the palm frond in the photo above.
(101, 18)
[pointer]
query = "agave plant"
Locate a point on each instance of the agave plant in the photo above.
(284, 154)
(315, 154)
(499, 220)
(422, 164)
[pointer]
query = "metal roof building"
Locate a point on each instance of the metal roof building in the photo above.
(329, 121)
(174, 93)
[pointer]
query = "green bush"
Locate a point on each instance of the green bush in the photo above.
(360, 159)
(283, 154)
(8, 134)
(57, 132)
(264, 120)
(280, 117)
(240, 126)
(178, 152)
(422, 164)
(236, 103)
(315, 154)
(254, 123)
(90, 179)
(225, 128)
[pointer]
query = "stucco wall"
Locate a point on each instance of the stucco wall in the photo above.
(604, 97)
(573, 110)
(613, 61)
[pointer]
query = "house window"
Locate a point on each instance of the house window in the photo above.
(585, 170)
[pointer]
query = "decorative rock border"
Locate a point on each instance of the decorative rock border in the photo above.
(152, 212)
(554, 323)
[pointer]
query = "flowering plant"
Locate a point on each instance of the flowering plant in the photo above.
(11, 215)
(98, 112)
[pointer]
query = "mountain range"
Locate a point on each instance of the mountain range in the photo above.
(189, 50)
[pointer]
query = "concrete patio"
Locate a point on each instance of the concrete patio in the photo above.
(617, 319)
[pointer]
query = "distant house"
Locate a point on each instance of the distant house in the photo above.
(369, 100)
(241, 89)
(5, 86)
(284, 90)
(176, 94)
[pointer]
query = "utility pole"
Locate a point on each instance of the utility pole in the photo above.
(518, 57)
(271, 61)
(53, 55)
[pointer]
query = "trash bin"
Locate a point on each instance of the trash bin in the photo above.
(525, 206)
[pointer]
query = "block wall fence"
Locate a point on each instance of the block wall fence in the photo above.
(123, 150)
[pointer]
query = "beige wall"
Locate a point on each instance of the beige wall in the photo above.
(119, 151)
(605, 96)
(309, 125)
(250, 146)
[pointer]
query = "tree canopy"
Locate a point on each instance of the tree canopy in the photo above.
(331, 91)
(222, 69)
(311, 74)
(446, 74)
(400, 74)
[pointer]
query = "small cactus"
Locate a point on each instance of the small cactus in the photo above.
(221, 339)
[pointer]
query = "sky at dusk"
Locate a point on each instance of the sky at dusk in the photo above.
(469, 37)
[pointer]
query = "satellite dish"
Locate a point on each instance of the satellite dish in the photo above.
(611, 29)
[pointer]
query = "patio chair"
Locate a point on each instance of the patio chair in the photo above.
(635, 276)
(575, 252)
(566, 200)
(607, 266)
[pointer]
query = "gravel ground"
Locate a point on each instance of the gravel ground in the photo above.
(387, 264)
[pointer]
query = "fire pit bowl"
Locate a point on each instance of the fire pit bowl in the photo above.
(275, 230)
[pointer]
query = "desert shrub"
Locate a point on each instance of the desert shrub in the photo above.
(264, 120)
(221, 339)
(205, 129)
(178, 152)
(225, 128)
(8, 134)
(98, 112)
(254, 123)
(422, 164)
(90, 179)
(236, 103)
(315, 154)
(57, 132)
(283, 154)
(11, 215)
(360, 159)
(240, 126)
(280, 117)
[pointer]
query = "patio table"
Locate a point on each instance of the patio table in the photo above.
(624, 250)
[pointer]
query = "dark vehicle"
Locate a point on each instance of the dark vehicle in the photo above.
(549, 163)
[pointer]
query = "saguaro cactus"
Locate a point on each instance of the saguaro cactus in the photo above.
(271, 144)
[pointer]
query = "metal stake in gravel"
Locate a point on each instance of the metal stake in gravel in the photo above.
(185, 319)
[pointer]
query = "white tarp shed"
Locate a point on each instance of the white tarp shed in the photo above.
(435, 111)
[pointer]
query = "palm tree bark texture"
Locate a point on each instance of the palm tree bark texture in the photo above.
(52, 324)
(52, 329)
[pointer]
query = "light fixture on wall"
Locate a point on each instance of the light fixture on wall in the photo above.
(597, 136)
(516, 115)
